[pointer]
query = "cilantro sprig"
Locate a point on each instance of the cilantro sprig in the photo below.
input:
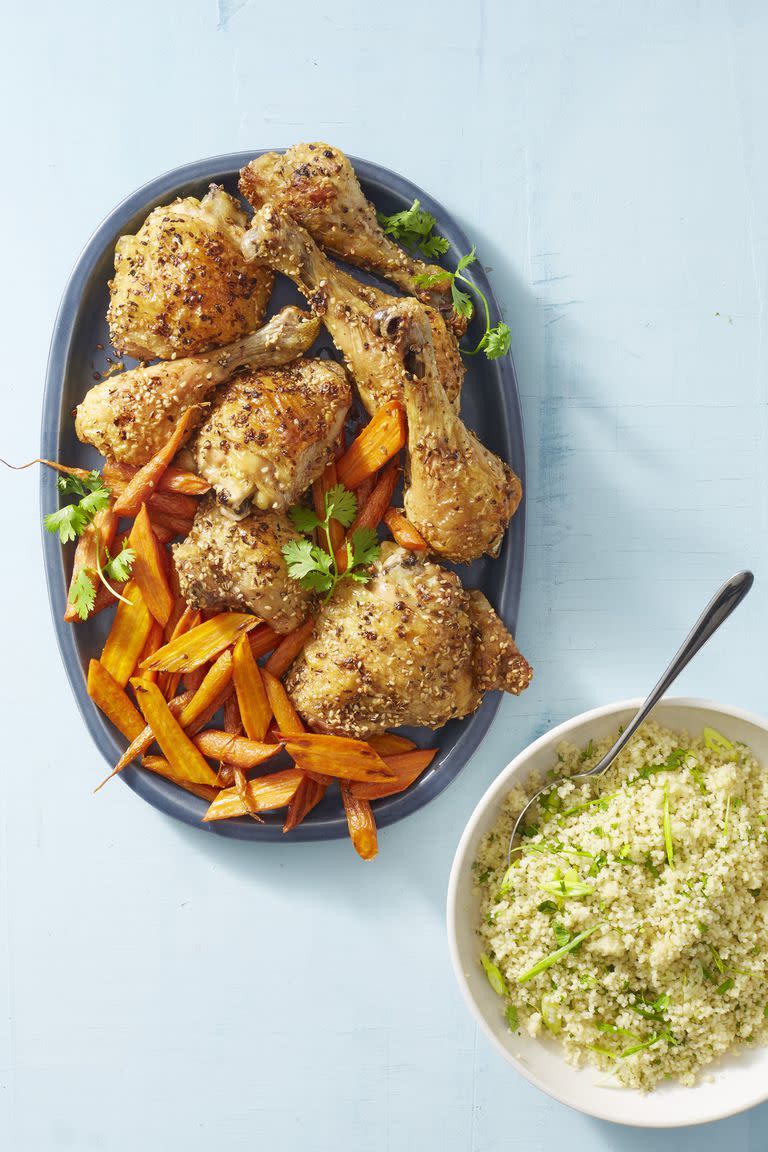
(316, 568)
(495, 340)
(71, 520)
(117, 569)
(413, 229)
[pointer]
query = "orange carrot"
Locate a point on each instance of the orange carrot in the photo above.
(128, 635)
(232, 722)
(202, 643)
(391, 744)
(237, 750)
(309, 793)
(404, 532)
(338, 756)
(407, 766)
(185, 758)
(263, 639)
(149, 568)
(113, 701)
(168, 682)
(285, 714)
(361, 824)
(117, 476)
(372, 511)
(252, 699)
(380, 440)
(161, 766)
(166, 527)
(264, 793)
(92, 546)
(154, 640)
(173, 505)
(289, 648)
(141, 486)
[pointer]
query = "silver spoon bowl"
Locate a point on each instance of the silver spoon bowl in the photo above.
(720, 607)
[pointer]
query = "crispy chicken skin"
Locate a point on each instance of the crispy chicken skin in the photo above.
(410, 647)
(128, 417)
(238, 565)
(269, 433)
(458, 494)
(348, 309)
(317, 186)
(181, 285)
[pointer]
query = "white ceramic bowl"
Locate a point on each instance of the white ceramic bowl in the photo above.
(737, 1083)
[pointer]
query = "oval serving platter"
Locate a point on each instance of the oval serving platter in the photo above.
(80, 349)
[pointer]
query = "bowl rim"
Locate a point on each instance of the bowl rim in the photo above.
(501, 781)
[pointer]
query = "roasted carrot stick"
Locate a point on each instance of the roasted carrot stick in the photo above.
(149, 568)
(380, 440)
(407, 766)
(372, 511)
(289, 648)
(237, 750)
(141, 486)
(127, 636)
(185, 758)
(361, 824)
(113, 701)
(117, 476)
(166, 527)
(404, 532)
(264, 793)
(252, 699)
(288, 719)
(263, 639)
(154, 641)
(168, 682)
(232, 721)
(202, 643)
(338, 756)
(309, 793)
(161, 766)
(94, 541)
(391, 744)
(174, 505)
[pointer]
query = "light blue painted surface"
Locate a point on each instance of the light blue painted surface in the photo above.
(159, 989)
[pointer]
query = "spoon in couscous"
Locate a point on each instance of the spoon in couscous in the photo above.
(716, 612)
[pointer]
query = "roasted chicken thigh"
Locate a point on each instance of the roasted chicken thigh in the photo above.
(128, 417)
(317, 186)
(181, 285)
(239, 565)
(269, 432)
(410, 647)
(350, 310)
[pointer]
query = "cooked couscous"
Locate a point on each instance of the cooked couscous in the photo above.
(633, 921)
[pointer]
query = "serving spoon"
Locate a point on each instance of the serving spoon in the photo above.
(716, 613)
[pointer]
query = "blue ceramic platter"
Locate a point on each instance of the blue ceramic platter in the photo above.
(80, 348)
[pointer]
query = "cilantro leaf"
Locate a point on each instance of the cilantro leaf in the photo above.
(94, 501)
(496, 341)
(341, 505)
(72, 519)
(299, 558)
(462, 301)
(465, 261)
(365, 547)
(119, 567)
(434, 246)
(303, 518)
(314, 568)
(68, 521)
(82, 594)
(429, 279)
